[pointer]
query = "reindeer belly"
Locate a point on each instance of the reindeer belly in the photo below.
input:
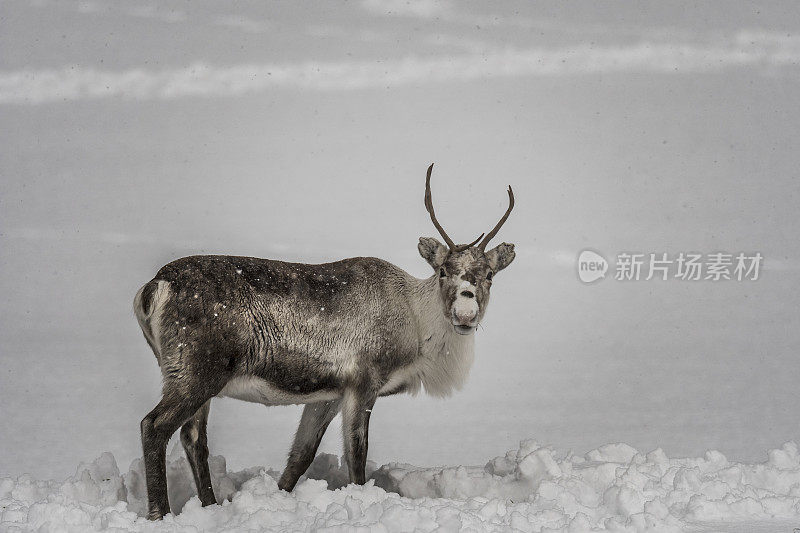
(257, 390)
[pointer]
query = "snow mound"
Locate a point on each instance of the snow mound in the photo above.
(534, 488)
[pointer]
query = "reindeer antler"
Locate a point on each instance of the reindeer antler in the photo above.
(465, 246)
(484, 242)
(429, 206)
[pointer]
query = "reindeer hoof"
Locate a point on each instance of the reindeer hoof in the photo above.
(156, 514)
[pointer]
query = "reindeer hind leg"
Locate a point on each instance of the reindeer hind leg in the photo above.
(195, 444)
(184, 393)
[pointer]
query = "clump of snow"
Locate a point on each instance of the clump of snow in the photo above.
(534, 488)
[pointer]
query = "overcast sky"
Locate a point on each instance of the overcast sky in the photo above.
(137, 132)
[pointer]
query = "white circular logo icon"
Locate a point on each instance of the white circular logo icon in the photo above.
(591, 266)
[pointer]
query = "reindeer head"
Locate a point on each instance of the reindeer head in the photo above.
(465, 271)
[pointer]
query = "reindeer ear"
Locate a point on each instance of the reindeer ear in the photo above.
(432, 251)
(500, 256)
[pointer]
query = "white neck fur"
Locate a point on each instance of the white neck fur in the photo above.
(445, 356)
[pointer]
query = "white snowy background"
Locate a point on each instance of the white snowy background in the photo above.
(137, 132)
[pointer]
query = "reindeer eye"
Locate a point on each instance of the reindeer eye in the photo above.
(442, 273)
(489, 276)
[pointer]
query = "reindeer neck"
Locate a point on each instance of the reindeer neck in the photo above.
(445, 357)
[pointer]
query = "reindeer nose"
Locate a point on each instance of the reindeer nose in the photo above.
(465, 316)
(468, 294)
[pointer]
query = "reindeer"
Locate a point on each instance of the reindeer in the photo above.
(333, 336)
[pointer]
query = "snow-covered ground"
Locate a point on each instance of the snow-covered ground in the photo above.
(532, 488)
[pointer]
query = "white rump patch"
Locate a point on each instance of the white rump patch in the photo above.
(150, 322)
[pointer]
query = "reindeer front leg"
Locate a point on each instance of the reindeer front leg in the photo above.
(313, 423)
(356, 407)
